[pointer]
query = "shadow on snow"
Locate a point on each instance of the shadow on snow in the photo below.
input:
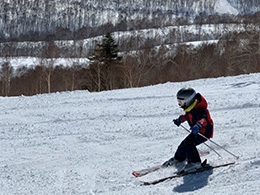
(194, 182)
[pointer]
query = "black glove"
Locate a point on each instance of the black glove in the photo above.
(178, 121)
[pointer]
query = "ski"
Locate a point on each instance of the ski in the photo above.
(206, 167)
(143, 172)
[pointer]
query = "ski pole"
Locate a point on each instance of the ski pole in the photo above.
(214, 143)
(204, 142)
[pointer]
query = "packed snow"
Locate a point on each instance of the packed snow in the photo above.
(89, 143)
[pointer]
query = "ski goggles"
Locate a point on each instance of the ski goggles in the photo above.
(182, 102)
(179, 102)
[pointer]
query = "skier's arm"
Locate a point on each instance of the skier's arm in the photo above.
(179, 120)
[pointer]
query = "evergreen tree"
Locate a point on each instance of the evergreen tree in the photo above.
(109, 50)
(104, 67)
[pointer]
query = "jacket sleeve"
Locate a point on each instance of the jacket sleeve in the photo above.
(183, 118)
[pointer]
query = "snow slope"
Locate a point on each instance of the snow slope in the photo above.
(89, 143)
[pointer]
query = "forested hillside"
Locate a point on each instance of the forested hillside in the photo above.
(38, 19)
(27, 26)
(157, 41)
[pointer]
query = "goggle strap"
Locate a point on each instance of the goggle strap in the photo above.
(189, 98)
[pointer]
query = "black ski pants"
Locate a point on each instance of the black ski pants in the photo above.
(187, 149)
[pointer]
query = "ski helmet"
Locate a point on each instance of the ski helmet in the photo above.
(186, 96)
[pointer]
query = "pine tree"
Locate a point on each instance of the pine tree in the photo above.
(109, 50)
(104, 67)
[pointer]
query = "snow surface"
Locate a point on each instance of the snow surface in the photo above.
(89, 143)
(30, 62)
(224, 7)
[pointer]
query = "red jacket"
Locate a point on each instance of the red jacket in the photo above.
(198, 113)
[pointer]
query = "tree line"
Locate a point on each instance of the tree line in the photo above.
(235, 53)
(39, 20)
(130, 35)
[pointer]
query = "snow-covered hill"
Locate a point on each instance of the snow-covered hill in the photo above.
(34, 17)
(89, 143)
(27, 27)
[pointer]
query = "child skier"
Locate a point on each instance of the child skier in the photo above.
(198, 117)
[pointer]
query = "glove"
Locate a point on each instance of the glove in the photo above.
(196, 128)
(178, 121)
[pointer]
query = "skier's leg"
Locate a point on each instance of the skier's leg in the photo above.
(187, 149)
(181, 152)
(192, 152)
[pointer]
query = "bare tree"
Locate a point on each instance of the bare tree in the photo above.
(95, 67)
(52, 54)
(137, 66)
(203, 62)
(6, 76)
(132, 71)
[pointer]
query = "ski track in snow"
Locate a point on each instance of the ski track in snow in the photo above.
(89, 143)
